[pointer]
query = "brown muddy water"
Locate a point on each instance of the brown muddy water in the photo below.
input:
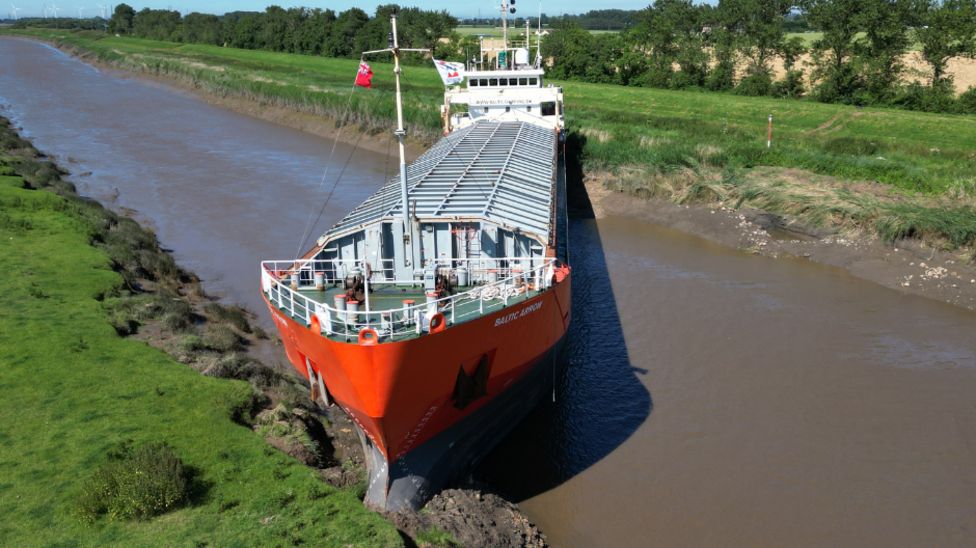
(712, 398)
(223, 191)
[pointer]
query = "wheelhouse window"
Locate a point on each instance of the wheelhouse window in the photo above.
(523, 81)
(548, 108)
(473, 83)
(493, 82)
(533, 81)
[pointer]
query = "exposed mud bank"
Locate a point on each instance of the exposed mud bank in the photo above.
(910, 266)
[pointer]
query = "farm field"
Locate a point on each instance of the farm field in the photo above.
(496, 31)
(649, 141)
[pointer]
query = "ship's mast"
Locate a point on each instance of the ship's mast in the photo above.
(538, 40)
(400, 133)
(505, 29)
(507, 6)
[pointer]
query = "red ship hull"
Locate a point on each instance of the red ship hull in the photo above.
(404, 396)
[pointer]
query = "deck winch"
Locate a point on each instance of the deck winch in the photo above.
(355, 285)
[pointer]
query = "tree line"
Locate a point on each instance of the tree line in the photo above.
(309, 31)
(858, 57)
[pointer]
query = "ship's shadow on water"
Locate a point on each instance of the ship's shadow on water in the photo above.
(600, 402)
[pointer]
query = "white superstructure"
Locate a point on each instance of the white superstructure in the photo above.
(502, 85)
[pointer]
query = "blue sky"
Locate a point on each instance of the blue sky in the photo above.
(69, 8)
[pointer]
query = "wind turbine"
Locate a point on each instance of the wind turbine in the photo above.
(80, 9)
(14, 9)
(55, 9)
(103, 10)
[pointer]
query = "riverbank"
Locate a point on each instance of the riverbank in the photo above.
(161, 305)
(75, 392)
(308, 98)
(671, 144)
(906, 265)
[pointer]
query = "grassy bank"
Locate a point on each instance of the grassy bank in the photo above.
(73, 391)
(888, 172)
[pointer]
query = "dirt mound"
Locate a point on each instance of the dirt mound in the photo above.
(471, 518)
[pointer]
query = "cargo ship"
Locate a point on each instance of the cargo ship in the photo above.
(434, 312)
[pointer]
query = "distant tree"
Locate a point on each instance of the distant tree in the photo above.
(241, 31)
(607, 52)
(274, 29)
(296, 20)
(342, 42)
(201, 28)
(121, 21)
(880, 51)
(840, 22)
(424, 29)
(569, 46)
(318, 25)
(670, 32)
(759, 26)
(157, 24)
(723, 43)
(792, 85)
(631, 66)
(609, 19)
(374, 32)
(296, 30)
(946, 29)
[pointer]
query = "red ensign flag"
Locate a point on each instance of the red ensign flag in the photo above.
(365, 75)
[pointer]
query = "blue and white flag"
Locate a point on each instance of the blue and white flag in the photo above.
(451, 73)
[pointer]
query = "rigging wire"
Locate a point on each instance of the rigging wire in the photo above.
(328, 197)
(309, 224)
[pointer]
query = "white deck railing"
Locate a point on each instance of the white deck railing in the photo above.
(492, 281)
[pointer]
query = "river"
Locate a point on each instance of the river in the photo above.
(712, 398)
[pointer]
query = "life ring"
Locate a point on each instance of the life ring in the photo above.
(437, 323)
(368, 337)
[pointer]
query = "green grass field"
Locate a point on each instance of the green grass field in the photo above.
(808, 37)
(670, 129)
(465, 30)
(71, 390)
(650, 132)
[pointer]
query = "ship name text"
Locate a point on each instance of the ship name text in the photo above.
(516, 315)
